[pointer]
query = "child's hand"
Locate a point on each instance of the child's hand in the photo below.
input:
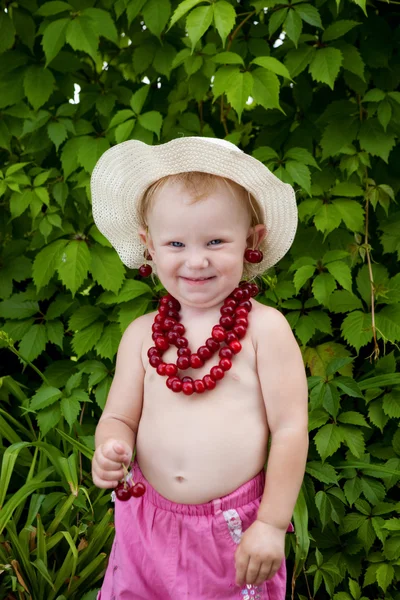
(259, 554)
(107, 463)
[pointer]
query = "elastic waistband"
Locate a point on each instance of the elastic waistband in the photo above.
(248, 492)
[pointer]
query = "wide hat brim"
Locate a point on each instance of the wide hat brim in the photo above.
(125, 171)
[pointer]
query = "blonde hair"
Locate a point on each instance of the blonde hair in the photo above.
(199, 184)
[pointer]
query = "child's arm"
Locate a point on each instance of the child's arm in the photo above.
(116, 431)
(284, 387)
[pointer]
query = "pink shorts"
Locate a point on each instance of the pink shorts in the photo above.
(168, 551)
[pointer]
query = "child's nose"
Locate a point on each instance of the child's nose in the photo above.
(197, 260)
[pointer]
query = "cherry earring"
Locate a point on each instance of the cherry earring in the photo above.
(252, 255)
(146, 270)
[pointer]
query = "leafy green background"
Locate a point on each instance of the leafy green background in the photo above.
(310, 89)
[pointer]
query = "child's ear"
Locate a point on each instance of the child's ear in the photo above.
(256, 235)
(146, 240)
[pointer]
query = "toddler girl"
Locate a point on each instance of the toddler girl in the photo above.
(211, 523)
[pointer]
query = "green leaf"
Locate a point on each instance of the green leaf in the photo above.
(131, 289)
(228, 58)
(354, 439)
(301, 155)
(73, 265)
(325, 65)
(14, 308)
(44, 397)
(55, 333)
(309, 14)
(33, 343)
(241, 87)
(84, 316)
(376, 415)
(123, 131)
(345, 188)
(152, 121)
(48, 418)
(103, 22)
(182, 9)
(107, 346)
(293, 26)
(84, 340)
(133, 9)
(322, 472)
(81, 35)
(341, 272)
(197, 23)
(70, 409)
(57, 133)
(388, 322)
(38, 85)
(7, 29)
(328, 440)
(384, 113)
(374, 140)
(323, 286)
(352, 418)
(349, 387)
(338, 29)
(48, 9)
(272, 64)
(121, 116)
(357, 329)
(297, 60)
(391, 404)
(266, 88)
(106, 268)
(131, 311)
(374, 95)
(321, 320)
(351, 212)
(304, 329)
(224, 18)
(54, 38)
(337, 135)
(223, 79)
(384, 575)
(300, 174)
(156, 14)
(302, 275)
(69, 156)
(352, 60)
(327, 218)
(89, 151)
(352, 490)
(276, 20)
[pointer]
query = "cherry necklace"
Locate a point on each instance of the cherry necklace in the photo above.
(168, 330)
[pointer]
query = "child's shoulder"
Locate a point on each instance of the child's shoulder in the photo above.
(270, 325)
(137, 330)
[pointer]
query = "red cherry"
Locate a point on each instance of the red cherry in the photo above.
(227, 310)
(187, 388)
(153, 350)
(171, 369)
(209, 382)
(173, 304)
(165, 299)
(231, 337)
(187, 379)
(138, 489)
(225, 352)
(235, 346)
(241, 312)
(161, 369)
(179, 328)
(183, 362)
(199, 386)
(242, 321)
(162, 343)
(204, 352)
(176, 385)
(154, 360)
(169, 381)
(172, 336)
(227, 321)
(217, 373)
(240, 331)
(246, 293)
(184, 352)
(230, 302)
(225, 364)
(212, 345)
(182, 342)
(145, 270)
(157, 328)
(122, 493)
(163, 310)
(218, 334)
(253, 256)
(156, 335)
(173, 314)
(253, 289)
(195, 361)
(238, 294)
(168, 324)
(246, 304)
(159, 319)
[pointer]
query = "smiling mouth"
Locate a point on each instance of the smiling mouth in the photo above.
(198, 278)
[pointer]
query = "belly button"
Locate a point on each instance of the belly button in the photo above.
(180, 478)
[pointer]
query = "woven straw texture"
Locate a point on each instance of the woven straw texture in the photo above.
(125, 171)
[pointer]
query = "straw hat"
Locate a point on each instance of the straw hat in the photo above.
(125, 171)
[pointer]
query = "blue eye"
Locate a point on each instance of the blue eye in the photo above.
(215, 242)
(176, 244)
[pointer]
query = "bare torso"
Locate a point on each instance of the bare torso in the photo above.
(193, 449)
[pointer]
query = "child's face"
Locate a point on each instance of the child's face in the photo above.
(198, 247)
